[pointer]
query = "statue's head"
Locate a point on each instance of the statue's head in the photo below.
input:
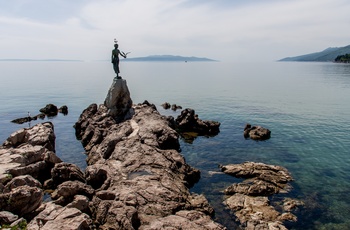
(116, 45)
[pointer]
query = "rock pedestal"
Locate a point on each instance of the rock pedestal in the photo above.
(118, 101)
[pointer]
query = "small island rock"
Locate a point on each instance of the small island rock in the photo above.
(256, 132)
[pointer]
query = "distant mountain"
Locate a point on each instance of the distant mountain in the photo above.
(326, 55)
(169, 58)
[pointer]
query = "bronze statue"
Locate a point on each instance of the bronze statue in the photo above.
(115, 58)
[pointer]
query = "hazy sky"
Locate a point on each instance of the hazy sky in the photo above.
(226, 30)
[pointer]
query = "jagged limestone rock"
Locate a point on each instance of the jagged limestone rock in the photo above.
(118, 101)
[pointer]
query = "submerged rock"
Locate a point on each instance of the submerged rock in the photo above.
(249, 200)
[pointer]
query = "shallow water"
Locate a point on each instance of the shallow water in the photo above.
(305, 105)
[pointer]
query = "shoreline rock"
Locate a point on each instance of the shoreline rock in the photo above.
(135, 168)
(249, 200)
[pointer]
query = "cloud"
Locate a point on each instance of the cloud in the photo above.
(222, 29)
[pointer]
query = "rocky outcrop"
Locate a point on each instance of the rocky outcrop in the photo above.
(188, 121)
(118, 101)
(136, 178)
(249, 200)
(29, 152)
(256, 132)
(141, 180)
(26, 158)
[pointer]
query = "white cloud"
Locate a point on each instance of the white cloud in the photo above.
(261, 30)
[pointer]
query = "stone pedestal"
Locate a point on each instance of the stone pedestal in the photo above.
(118, 100)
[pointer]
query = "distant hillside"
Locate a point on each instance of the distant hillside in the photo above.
(329, 54)
(168, 58)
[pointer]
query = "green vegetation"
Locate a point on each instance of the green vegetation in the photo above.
(327, 55)
(22, 225)
(343, 58)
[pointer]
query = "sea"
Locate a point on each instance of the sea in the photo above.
(306, 106)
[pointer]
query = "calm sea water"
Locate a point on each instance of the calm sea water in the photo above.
(305, 105)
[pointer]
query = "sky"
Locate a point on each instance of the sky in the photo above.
(224, 30)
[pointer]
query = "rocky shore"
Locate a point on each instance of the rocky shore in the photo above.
(136, 177)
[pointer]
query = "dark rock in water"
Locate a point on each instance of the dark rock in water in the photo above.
(50, 110)
(22, 120)
(175, 107)
(166, 105)
(256, 132)
(40, 116)
(63, 109)
(188, 121)
(249, 200)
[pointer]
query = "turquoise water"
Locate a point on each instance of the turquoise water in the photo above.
(305, 105)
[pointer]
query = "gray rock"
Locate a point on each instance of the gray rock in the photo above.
(40, 134)
(257, 133)
(7, 217)
(21, 200)
(138, 173)
(118, 100)
(186, 220)
(66, 172)
(20, 181)
(80, 202)
(58, 217)
(188, 121)
(66, 191)
(249, 200)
